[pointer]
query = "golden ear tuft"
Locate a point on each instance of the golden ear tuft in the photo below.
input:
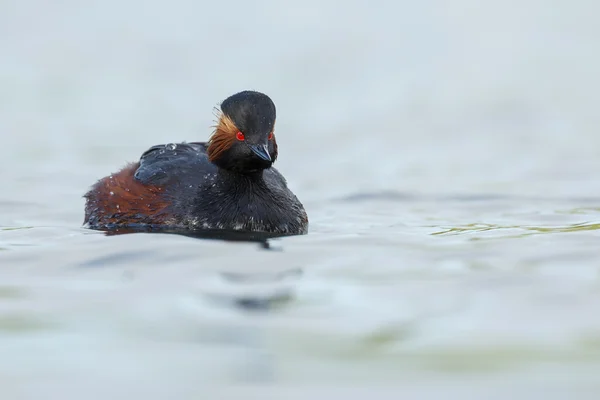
(222, 138)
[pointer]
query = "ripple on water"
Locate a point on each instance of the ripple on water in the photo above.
(12, 292)
(19, 323)
(498, 230)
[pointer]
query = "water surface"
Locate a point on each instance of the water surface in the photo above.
(446, 153)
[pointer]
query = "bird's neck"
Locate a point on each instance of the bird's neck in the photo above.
(250, 177)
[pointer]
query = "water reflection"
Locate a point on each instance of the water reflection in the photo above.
(244, 291)
(262, 238)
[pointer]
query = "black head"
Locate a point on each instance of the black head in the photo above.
(244, 140)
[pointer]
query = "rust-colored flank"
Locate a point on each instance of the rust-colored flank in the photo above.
(120, 197)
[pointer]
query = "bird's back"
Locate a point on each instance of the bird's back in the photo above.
(145, 192)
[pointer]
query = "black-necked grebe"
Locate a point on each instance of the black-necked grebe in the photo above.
(227, 183)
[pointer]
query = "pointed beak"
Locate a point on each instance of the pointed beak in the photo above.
(261, 150)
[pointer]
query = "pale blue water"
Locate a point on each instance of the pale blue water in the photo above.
(447, 155)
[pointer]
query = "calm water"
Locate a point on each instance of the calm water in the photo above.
(447, 154)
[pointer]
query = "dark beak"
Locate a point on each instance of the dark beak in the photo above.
(261, 150)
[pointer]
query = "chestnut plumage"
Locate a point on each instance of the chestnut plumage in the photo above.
(226, 183)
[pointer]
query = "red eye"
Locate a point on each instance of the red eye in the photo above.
(270, 135)
(240, 136)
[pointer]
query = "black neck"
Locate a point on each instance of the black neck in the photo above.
(251, 176)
